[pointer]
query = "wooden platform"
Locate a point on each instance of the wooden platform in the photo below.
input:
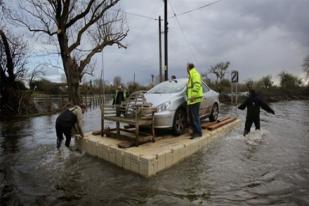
(134, 122)
(150, 158)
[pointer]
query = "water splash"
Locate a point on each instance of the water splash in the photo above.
(256, 137)
(235, 136)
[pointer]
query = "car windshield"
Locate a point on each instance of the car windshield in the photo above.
(172, 86)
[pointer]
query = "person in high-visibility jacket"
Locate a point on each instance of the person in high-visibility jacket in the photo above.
(194, 99)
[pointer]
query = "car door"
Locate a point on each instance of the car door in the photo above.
(207, 99)
(204, 105)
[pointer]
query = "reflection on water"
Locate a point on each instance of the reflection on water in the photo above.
(269, 168)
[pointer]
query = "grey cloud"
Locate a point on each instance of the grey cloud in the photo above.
(289, 15)
(259, 37)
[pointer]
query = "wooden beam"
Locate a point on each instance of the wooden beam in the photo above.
(222, 123)
(204, 125)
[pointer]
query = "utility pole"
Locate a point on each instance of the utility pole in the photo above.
(134, 77)
(152, 80)
(102, 82)
(160, 51)
(165, 42)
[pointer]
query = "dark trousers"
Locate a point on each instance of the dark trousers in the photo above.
(67, 133)
(195, 118)
(118, 110)
(248, 124)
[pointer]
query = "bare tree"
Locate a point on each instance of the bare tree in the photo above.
(12, 67)
(289, 81)
(36, 73)
(12, 57)
(1, 5)
(82, 28)
(306, 66)
(3, 12)
(117, 81)
(266, 82)
(219, 70)
(249, 84)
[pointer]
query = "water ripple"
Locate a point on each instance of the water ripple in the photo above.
(268, 167)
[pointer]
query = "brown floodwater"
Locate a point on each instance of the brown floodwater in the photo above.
(266, 168)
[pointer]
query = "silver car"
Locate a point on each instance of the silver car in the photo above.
(170, 99)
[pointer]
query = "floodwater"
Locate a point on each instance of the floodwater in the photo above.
(270, 167)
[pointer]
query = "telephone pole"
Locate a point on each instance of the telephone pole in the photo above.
(160, 51)
(165, 42)
(134, 77)
(102, 84)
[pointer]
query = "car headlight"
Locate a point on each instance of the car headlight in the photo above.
(164, 106)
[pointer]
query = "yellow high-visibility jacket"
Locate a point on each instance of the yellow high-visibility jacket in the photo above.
(194, 87)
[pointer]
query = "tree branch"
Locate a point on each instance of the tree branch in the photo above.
(38, 13)
(94, 18)
(81, 15)
(50, 33)
(100, 47)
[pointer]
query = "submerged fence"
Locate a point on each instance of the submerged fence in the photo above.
(50, 103)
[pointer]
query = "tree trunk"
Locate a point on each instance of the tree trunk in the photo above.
(8, 89)
(74, 91)
(73, 79)
(9, 60)
(71, 70)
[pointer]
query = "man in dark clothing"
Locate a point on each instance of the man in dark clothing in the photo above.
(253, 104)
(118, 98)
(70, 119)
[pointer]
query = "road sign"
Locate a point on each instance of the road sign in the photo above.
(234, 76)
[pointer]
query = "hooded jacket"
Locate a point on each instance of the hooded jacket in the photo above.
(253, 104)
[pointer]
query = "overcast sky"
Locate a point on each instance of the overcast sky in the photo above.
(258, 38)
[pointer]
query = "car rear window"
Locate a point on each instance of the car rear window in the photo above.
(168, 87)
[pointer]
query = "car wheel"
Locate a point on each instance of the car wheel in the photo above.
(214, 113)
(179, 123)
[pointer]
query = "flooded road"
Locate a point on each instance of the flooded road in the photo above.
(267, 169)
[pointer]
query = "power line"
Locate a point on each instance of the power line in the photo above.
(191, 45)
(198, 8)
(194, 50)
(137, 15)
(174, 16)
(35, 55)
(140, 15)
(180, 14)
